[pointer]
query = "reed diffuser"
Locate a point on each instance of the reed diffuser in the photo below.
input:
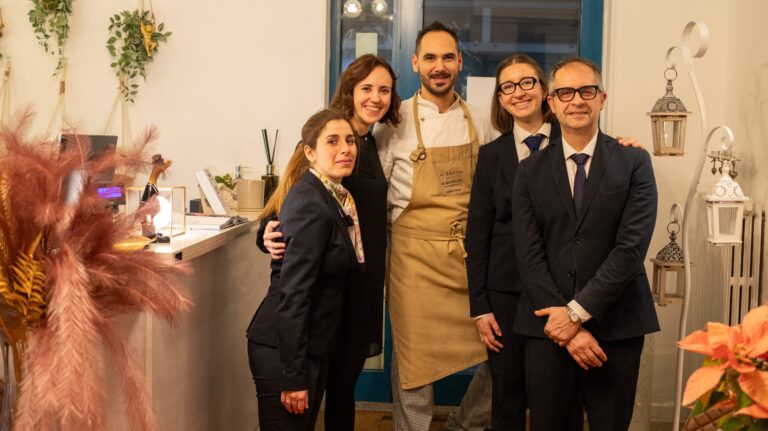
(270, 179)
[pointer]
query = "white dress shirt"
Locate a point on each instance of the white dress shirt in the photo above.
(570, 167)
(521, 134)
(445, 129)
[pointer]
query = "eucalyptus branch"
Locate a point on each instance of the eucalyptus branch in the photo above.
(133, 39)
(50, 18)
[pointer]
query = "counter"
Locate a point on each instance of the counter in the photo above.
(197, 368)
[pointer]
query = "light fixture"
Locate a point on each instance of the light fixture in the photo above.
(668, 120)
(379, 7)
(725, 211)
(352, 8)
(164, 216)
(669, 260)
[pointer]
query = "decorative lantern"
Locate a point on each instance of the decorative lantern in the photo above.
(725, 210)
(668, 119)
(669, 260)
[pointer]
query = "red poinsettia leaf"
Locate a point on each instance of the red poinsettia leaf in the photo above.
(697, 342)
(755, 384)
(719, 334)
(701, 381)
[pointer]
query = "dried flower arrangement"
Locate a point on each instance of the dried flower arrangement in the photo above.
(730, 390)
(63, 281)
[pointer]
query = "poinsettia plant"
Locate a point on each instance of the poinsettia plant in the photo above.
(733, 380)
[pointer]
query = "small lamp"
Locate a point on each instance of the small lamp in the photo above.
(379, 7)
(669, 260)
(725, 210)
(668, 120)
(352, 8)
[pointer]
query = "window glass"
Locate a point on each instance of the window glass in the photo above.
(489, 31)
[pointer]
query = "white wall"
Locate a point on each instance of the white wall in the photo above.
(230, 69)
(734, 82)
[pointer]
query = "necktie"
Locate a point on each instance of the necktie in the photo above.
(579, 180)
(533, 142)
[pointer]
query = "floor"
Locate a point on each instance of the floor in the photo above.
(381, 420)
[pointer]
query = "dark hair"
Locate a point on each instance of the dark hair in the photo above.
(595, 68)
(436, 26)
(358, 70)
(500, 118)
(299, 164)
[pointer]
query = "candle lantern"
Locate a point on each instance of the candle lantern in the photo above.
(668, 121)
(669, 261)
(725, 210)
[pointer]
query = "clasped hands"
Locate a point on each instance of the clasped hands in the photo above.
(581, 345)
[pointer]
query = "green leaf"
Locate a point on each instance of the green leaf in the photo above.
(111, 40)
(743, 400)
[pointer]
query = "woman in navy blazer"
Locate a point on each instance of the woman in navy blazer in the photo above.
(367, 94)
(520, 112)
(293, 332)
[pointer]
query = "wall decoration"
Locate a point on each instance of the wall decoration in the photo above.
(133, 40)
(50, 19)
(64, 280)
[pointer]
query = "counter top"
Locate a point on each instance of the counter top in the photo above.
(196, 242)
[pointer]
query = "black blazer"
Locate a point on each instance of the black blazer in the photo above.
(301, 313)
(360, 334)
(595, 257)
(489, 242)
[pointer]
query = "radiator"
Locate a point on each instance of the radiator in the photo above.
(744, 263)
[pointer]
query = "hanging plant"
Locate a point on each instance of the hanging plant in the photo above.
(133, 40)
(50, 18)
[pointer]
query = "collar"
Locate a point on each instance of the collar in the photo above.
(521, 134)
(568, 150)
(432, 106)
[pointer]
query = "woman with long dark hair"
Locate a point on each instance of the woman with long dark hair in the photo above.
(293, 333)
(367, 94)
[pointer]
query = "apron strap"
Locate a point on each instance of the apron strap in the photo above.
(420, 153)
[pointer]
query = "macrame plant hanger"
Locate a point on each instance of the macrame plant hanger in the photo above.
(5, 93)
(60, 112)
(121, 101)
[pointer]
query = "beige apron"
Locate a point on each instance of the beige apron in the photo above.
(433, 332)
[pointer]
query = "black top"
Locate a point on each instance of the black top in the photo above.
(301, 313)
(360, 332)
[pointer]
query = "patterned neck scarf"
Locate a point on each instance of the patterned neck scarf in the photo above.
(347, 203)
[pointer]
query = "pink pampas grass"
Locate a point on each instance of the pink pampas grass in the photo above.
(88, 281)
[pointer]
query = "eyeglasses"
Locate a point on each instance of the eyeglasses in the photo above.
(587, 92)
(526, 83)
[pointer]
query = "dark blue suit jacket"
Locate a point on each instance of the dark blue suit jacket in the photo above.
(490, 245)
(301, 313)
(595, 257)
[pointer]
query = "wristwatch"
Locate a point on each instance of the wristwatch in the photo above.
(572, 315)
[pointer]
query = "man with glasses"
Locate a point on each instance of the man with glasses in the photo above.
(584, 215)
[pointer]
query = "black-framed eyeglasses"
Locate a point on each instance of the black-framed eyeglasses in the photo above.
(587, 92)
(526, 83)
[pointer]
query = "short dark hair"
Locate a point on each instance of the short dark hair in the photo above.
(595, 68)
(500, 118)
(358, 70)
(436, 26)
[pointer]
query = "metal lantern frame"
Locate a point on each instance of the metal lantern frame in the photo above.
(669, 260)
(725, 210)
(669, 118)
